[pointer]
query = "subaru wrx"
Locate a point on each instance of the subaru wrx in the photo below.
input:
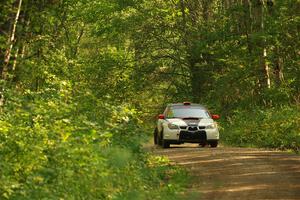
(186, 123)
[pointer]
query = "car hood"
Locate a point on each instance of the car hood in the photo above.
(190, 122)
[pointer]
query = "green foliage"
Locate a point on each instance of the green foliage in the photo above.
(50, 150)
(272, 128)
(86, 79)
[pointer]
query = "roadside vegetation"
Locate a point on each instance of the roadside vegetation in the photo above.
(55, 147)
(277, 128)
(83, 81)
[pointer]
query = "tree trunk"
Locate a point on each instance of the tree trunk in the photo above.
(278, 68)
(258, 28)
(266, 67)
(247, 19)
(11, 43)
(195, 82)
(8, 52)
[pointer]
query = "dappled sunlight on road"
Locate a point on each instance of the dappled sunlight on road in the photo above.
(238, 173)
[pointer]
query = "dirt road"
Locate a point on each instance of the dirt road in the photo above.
(237, 173)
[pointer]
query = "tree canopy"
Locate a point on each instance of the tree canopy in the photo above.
(80, 80)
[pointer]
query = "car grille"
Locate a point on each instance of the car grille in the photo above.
(192, 136)
(192, 128)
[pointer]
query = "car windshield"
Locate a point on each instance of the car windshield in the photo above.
(187, 112)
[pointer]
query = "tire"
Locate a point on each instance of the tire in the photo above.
(202, 144)
(160, 138)
(165, 144)
(155, 136)
(214, 144)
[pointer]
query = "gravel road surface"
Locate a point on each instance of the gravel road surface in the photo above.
(237, 173)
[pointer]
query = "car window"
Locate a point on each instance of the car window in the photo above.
(187, 112)
(170, 113)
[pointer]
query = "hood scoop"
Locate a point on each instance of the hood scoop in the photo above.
(191, 121)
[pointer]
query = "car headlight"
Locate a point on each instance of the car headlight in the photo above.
(211, 126)
(172, 126)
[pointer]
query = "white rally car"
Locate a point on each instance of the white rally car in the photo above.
(186, 122)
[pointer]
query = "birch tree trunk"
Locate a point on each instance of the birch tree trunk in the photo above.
(11, 43)
(7, 56)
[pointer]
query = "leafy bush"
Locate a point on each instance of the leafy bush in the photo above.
(50, 149)
(274, 128)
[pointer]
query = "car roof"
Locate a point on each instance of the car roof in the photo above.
(182, 105)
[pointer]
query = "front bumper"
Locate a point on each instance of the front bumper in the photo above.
(195, 136)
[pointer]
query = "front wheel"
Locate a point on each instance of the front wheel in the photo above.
(155, 136)
(165, 144)
(214, 144)
(202, 144)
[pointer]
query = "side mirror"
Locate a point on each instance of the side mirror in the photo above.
(161, 116)
(215, 117)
